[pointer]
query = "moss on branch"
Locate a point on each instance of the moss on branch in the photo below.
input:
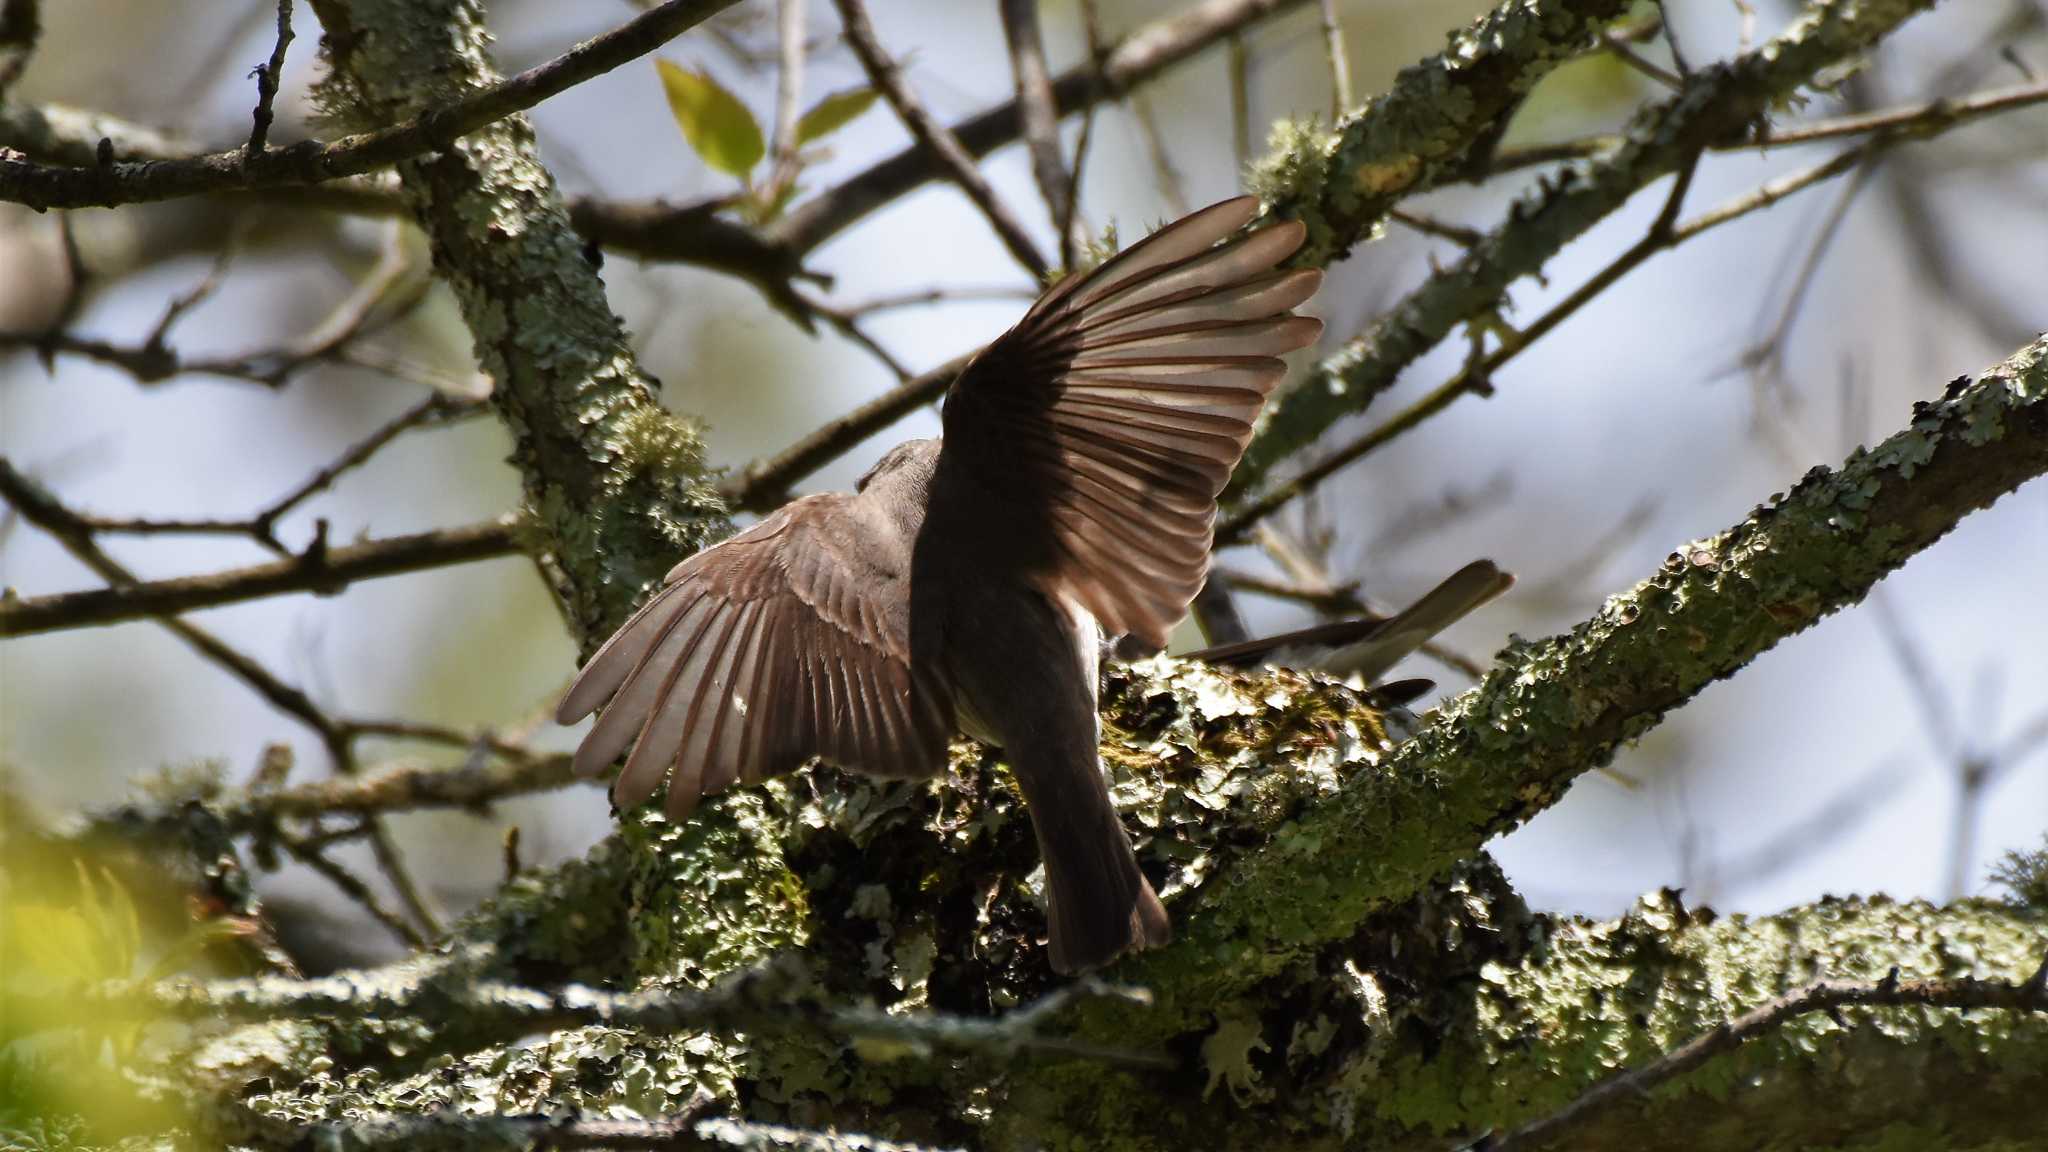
(617, 482)
(1716, 105)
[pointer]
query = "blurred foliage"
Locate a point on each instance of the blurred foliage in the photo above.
(726, 136)
(72, 1072)
(833, 113)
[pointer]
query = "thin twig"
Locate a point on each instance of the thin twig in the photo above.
(1477, 376)
(766, 482)
(267, 75)
(43, 186)
(1240, 76)
(40, 508)
(1636, 60)
(1339, 61)
(1137, 58)
(936, 138)
(789, 96)
(1040, 114)
(351, 886)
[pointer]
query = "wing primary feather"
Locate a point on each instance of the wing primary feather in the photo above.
(617, 657)
(751, 691)
(1226, 264)
(1176, 242)
(659, 739)
(686, 782)
(630, 705)
(728, 715)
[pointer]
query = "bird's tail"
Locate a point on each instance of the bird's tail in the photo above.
(1098, 904)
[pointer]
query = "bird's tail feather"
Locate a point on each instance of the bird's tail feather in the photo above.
(1098, 904)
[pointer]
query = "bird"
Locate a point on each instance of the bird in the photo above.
(1367, 646)
(969, 581)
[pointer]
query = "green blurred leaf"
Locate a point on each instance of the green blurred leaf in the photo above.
(833, 113)
(718, 127)
(57, 943)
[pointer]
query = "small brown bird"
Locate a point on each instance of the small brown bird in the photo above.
(968, 583)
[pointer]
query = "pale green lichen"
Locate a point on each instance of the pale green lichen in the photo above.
(1421, 122)
(619, 484)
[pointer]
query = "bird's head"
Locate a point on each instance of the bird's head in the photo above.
(911, 460)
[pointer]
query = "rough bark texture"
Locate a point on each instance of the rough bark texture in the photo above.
(616, 481)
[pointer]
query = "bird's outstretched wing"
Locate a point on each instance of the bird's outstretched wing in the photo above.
(1110, 417)
(788, 641)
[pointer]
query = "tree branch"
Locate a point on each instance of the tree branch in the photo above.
(320, 570)
(1038, 111)
(616, 483)
(1555, 708)
(2030, 995)
(1718, 104)
(952, 157)
(104, 185)
(1136, 59)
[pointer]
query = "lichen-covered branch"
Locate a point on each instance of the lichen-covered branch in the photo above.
(1436, 122)
(1553, 709)
(616, 482)
(1717, 104)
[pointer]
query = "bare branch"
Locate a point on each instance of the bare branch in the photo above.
(1039, 112)
(267, 75)
(319, 569)
(952, 156)
(1338, 59)
(766, 483)
(1361, 359)
(1716, 105)
(42, 186)
(1136, 59)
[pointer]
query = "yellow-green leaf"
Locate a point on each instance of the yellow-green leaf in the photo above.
(833, 113)
(718, 127)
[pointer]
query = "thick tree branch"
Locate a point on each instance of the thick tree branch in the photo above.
(1718, 105)
(2029, 995)
(479, 103)
(616, 482)
(775, 997)
(1556, 708)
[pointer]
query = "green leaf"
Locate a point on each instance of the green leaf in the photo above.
(833, 113)
(716, 124)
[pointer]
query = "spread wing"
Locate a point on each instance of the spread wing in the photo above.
(1113, 413)
(788, 641)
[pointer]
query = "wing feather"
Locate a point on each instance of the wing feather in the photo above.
(1110, 417)
(785, 643)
